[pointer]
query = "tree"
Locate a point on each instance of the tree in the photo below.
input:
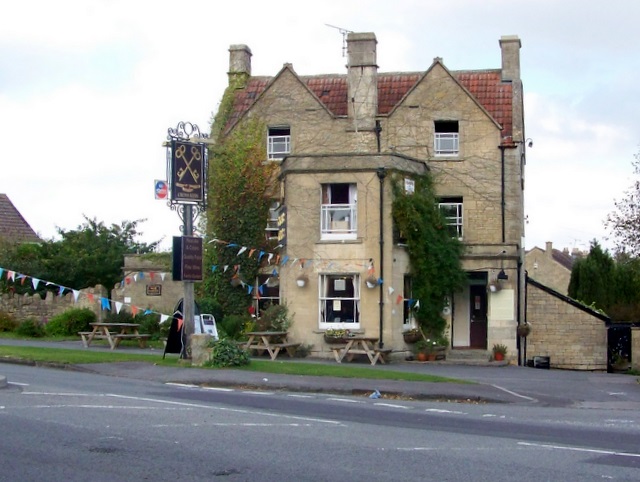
(592, 278)
(624, 223)
(89, 255)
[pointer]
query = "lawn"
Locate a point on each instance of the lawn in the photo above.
(63, 356)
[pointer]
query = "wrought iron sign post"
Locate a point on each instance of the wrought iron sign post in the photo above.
(187, 164)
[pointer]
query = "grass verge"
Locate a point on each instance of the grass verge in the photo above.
(65, 356)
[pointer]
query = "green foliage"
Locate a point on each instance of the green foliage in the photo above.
(436, 270)
(226, 353)
(31, 328)
(499, 348)
(233, 326)
(210, 305)
(275, 318)
(240, 185)
(70, 322)
(89, 255)
(7, 322)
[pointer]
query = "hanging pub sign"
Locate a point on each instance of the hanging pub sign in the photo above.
(187, 172)
(187, 258)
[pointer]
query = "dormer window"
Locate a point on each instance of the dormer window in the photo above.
(446, 138)
(278, 143)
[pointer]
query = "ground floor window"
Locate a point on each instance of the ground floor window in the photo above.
(339, 301)
(407, 314)
(266, 293)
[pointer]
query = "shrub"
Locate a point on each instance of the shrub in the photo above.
(150, 324)
(211, 306)
(226, 353)
(31, 328)
(122, 317)
(232, 325)
(7, 322)
(70, 322)
(275, 318)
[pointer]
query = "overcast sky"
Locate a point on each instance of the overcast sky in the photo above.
(89, 88)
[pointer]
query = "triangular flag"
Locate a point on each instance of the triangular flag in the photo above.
(61, 291)
(141, 275)
(399, 299)
(134, 310)
(249, 289)
(391, 290)
(163, 318)
(269, 258)
(118, 307)
(151, 275)
(163, 275)
(180, 322)
(1, 270)
(213, 268)
(147, 312)
(76, 294)
(90, 295)
(135, 278)
(34, 282)
(251, 252)
(242, 250)
(127, 280)
(105, 304)
(418, 305)
(11, 275)
(284, 260)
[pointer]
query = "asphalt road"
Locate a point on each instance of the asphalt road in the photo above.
(69, 425)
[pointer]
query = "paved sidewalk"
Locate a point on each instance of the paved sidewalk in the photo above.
(493, 384)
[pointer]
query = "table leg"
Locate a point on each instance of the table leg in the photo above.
(90, 337)
(345, 350)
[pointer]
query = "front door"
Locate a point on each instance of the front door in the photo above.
(478, 314)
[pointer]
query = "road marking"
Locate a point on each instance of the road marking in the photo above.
(182, 385)
(224, 409)
(294, 395)
(258, 393)
(55, 394)
(347, 400)
(18, 383)
(107, 407)
(514, 393)
(617, 393)
(580, 449)
(439, 410)
(218, 389)
(390, 405)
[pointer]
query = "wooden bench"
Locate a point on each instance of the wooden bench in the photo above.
(85, 337)
(381, 355)
(274, 349)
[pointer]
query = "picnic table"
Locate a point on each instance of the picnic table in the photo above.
(270, 341)
(360, 345)
(114, 333)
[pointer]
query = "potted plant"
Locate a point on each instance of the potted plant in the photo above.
(425, 349)
(335, 335)
(499, 351)
(412, 335)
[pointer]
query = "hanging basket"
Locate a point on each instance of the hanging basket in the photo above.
(333, 339)
(302, 280)
(524, 329)
(411, 336)
(371, 282)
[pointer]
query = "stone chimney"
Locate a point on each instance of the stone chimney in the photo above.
(510, 46)
(239, 64)
(362, 80)
(549, 249)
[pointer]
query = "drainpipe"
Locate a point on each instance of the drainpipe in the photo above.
(378, 130)
(382, 173)
(502, 195)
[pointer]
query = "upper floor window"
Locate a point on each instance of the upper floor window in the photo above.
(339, 211)
(446, 138)
(339, 301)
(451, 209)
(266, 293)
(278, 143)
(271, 230)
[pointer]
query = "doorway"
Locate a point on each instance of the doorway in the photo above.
(478, 317)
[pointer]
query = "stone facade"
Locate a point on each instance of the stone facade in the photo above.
(550, 266)
(358, 136)
(572, 335)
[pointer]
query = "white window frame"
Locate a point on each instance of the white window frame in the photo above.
(331, 305)
(455, 222)
(339, 220)
(278, 143)
(446, 143)
(271, 231)
(263, 294)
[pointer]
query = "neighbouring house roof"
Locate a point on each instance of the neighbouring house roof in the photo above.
(13, 226)
(485, 85)
(563, 258)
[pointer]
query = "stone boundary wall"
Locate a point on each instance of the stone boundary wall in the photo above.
(27, 306)
(573, 338)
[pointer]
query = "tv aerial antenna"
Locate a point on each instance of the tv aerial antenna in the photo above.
(344, 33)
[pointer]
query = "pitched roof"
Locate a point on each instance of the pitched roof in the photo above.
(13, 226)
(485, 85)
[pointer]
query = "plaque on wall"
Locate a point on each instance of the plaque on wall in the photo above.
(154, 290)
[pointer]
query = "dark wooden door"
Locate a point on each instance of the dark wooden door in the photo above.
(478, 313)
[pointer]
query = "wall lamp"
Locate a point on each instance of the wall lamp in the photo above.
(529, 142)
(502, 276)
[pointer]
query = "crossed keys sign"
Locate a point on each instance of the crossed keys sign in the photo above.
(195, 155)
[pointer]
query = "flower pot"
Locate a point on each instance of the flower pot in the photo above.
(421, 356)
(498, 356)
(431, 357)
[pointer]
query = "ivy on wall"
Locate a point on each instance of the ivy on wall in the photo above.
(239, 183)
(436, 270)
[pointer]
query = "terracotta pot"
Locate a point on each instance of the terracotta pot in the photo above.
(421, 356)
(431, 357)
(498, 356)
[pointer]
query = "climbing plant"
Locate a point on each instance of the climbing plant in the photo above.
(436, 270)
(239, 184)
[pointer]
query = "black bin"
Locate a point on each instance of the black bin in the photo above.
(542, 362)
